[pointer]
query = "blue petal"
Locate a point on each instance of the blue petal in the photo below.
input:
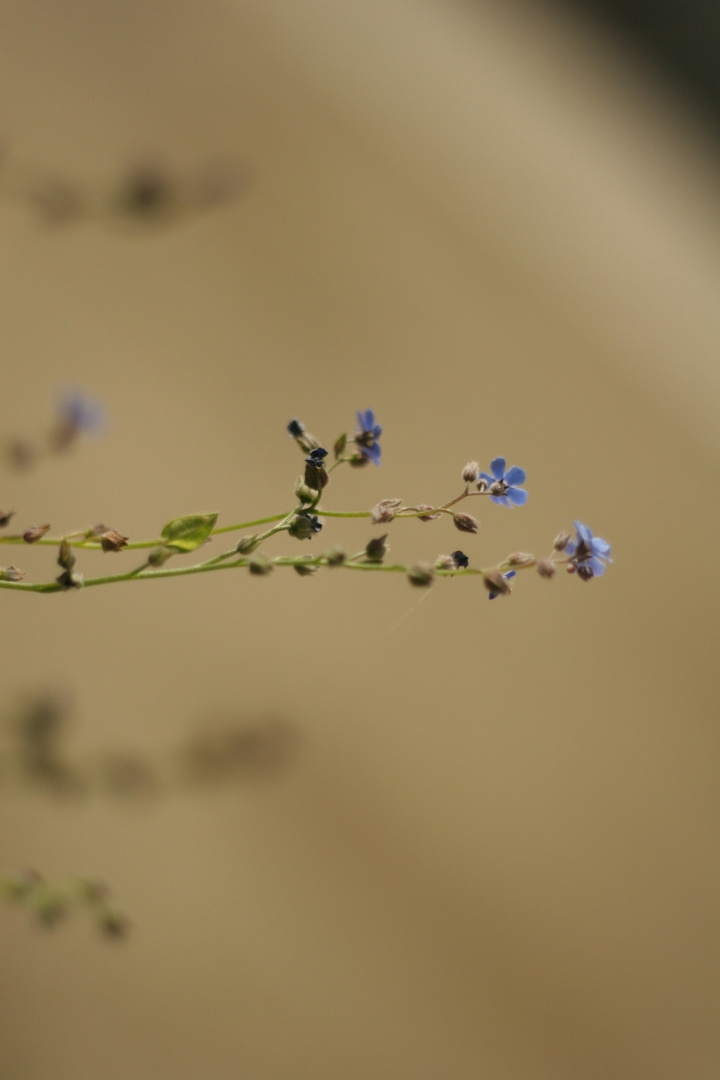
(570, 548)
(519, 496)
(510, 573)
(373, 452)
(600, 547)
(501, 500)
(377, 431)
(516, 475)
(597, 567)
(360, 420)
(369, 419)
(487, 478)
(497, 468)
(583, 532)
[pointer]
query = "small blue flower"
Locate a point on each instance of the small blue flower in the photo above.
(78, 413)
(503, 485)
(588, 554)
(507, 576)
(367, 436)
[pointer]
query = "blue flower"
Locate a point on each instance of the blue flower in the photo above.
(503, 485)
(588, 554)
(368, 435)
(80, 414)
(510, 574)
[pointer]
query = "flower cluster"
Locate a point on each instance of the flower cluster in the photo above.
(586, 556)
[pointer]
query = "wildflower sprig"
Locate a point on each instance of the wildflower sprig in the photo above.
(586, 556)
(49, 904)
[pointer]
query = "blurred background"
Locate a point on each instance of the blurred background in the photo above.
(362, 830)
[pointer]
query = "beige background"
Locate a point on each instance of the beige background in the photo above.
(492, 848)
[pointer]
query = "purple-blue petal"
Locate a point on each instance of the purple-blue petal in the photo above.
(570, 547)
(518, 496)
(501, 500)
(600, 547)
(516, 475)
(597, 567)
(497, 468)
(487, 478)
(373, 452)
(583, 532)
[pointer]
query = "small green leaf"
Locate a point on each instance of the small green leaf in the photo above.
(189, 532)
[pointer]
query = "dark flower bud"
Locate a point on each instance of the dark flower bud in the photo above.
(482, 485)
(69, 579)
(11, 573)
(460, 560)
(496, 583)
(335, 557)
(247, 544)
(561, 541)
(66, 558)
(305, 494)
(303, 526)
(520, 558)
(426, 517)
(376, 549)
(584, 572)
(384, 512)
(470, 472)
(5, 516)
(358, 460)
(34, 533)
(112, 540)
(466, 523)
(316, 476)
(295, 429)
(339, 447)
(260, 565)
(545, 568)
(160, 556)
(316, 456)
(303, 569)
(421, 574)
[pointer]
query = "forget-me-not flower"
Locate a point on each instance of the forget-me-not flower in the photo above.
(588, 554)
(503, 485)
(367, 437)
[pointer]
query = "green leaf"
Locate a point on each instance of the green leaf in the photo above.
(189, 532)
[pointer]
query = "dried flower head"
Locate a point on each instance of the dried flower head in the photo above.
(384, 511)
(35, 533)
(376, 549)
(466, 523)
(421, 574)
(112, 540)
(470, 472)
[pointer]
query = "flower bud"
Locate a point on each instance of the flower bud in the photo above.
(301, 567)
(259, 565)
(34, 533)
(521, 558)
(305, 494)
(460, 560)
(160, 556)
(316, 477)
(113, 925)
(561, 541)
(70, 579)
(466, 523)
(66, 558)
(445, 562)
(112, 540)
(335, 556)
(376, 549)
(421, 574)
(339, 447)
(11, 573)
(545, 568)
(496, 583)
(247, 544)
(5, 516)
(303, 526)
(384, 512)
(482, 485)
(426, 517)
(470, 472)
